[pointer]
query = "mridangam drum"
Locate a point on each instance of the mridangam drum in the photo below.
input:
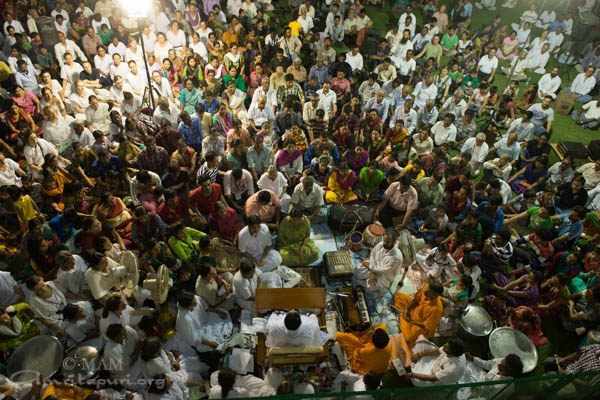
(373, 234)
(504, 341)
(355, 242)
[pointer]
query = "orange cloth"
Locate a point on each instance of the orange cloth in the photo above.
(362, 353)
(429, 312)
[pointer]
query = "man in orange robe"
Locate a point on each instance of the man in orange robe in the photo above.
(366, 351)
(419, 314)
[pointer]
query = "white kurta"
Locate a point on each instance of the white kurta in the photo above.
(74, 280)
(384, 264)
(447, 370)
(101, 283)
(480, 370)
(76, 331)
(48, 308)
(307, 334)
(256, 244)
(117, 357)
(126, 318)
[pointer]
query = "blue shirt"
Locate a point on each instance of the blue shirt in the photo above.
(191, 134)
(490, 223)
(211, 108)
(62, 228)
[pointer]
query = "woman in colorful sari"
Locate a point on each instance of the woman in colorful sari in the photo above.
(190, 96)
(375, 145)
(53, 185)
(357, 158)
(112, 213)
(223, 119)
(17, 325)
(224, 223)
(340, 185)
(170, 68)
(293, 240)
(27, 100)
(289, 162)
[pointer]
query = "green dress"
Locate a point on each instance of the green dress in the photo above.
(289, 240)
(10, 339)
(183, 249)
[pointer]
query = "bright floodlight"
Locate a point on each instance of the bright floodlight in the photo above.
(137, 8)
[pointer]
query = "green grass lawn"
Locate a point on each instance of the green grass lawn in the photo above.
(563, 128)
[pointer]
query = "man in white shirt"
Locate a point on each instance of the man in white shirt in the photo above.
(487, 66)
(383, 264)
(294, 330)
(478, 149)
(408, 13)
(244, 285)
(455, 105)
(437, 366)
(523, 127)
(117, 89)
(405, 67)
(65, 45)
(538, 59)
(444, 131)
(407, 114)
(582, 85)
(256, 244)
(355, 60)
(328, 99)
(497, 369)
(545, 19)
(161, 86)
(268, 92)
(398, 52)
(518, 66)
(259, 114)
(238, 185)
(591, 174)
(97, 115)
(354, 383)
(555, 39)
(10, 21)
(424, 91)
(549, 83)
(587, 116)
(121, 355)
(308, 198)
(118, 67)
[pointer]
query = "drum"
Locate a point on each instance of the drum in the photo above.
(355, 242)
(41, 355)
(373, 234)
(504, 341)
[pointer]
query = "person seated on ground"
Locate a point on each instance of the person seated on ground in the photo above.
(527, 320)
(521, 291)
(194, 338)
(439, 264)
(341, 186)
(215, 289)
(366, 351)
(587, 116)
(383, 264)
(183, 241)
(255, 243)
(294, 330)
(497, 369)
(308, 198)
(80, 325)
(554, 296)
(266, 204)
(350, 382)
(419, 314)
(571, 194)
(497, 252)
(536, 217)
(437, 366)
(17, 325)
(121, 354)
(583, 312)
(532, 176)
(399, 201)
(293, 240)
(570, 230)
(224, 223)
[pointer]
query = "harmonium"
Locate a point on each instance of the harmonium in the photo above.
(350, 304)
(338, 265)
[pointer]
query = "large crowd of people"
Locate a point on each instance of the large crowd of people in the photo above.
(216, 130)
